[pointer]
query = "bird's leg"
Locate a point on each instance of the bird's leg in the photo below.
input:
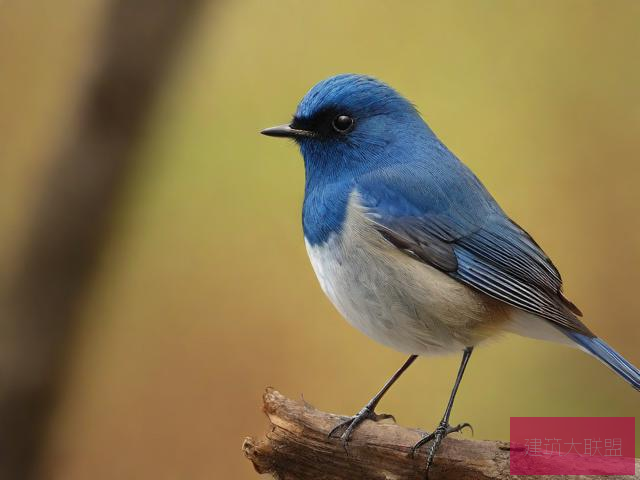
(368, 411)
(444, 429)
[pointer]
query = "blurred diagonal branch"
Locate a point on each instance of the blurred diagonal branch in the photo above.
(297, 447)
(71, 222)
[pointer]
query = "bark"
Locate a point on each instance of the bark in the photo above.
(297, 447)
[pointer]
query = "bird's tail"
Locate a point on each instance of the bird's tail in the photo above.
(607, 355)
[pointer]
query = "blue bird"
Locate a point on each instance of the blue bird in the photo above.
(409, 245)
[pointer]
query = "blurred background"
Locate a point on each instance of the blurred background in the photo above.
(159, 308)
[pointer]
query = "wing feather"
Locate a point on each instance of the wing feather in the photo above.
(487, 251)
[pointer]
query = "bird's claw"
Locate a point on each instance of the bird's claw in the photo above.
(351, 423)
(441, 431)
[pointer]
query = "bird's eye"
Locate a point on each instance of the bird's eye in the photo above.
(342, 123)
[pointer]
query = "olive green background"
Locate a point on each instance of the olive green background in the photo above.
(205, 295)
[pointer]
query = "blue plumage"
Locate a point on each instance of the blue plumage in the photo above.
(333, 164)
(324, 210)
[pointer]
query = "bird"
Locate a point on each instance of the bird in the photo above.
(409, 245)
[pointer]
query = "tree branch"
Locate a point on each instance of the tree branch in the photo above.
(297, 448)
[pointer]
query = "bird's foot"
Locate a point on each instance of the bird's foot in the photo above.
(441, 431)
(350, 424)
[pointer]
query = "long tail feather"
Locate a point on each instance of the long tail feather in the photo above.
(607, 355)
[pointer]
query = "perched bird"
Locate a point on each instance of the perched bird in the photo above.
(410, 246)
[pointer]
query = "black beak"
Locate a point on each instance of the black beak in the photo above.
(286, 131)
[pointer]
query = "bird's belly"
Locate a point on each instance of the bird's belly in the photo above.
(398, 301)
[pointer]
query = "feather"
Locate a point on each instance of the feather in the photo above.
(607, 355)
(481, 247)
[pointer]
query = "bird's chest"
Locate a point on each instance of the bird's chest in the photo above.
(392, 298)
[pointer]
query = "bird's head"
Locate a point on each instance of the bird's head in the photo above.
(352, 123)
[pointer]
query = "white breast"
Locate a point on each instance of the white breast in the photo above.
(394, 299)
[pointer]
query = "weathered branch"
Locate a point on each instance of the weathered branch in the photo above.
(297, 448)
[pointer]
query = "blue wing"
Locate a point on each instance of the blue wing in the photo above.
(449, 220)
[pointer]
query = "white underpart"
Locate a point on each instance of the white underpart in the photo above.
(393, 298)
(529, 325)
(404, 303)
